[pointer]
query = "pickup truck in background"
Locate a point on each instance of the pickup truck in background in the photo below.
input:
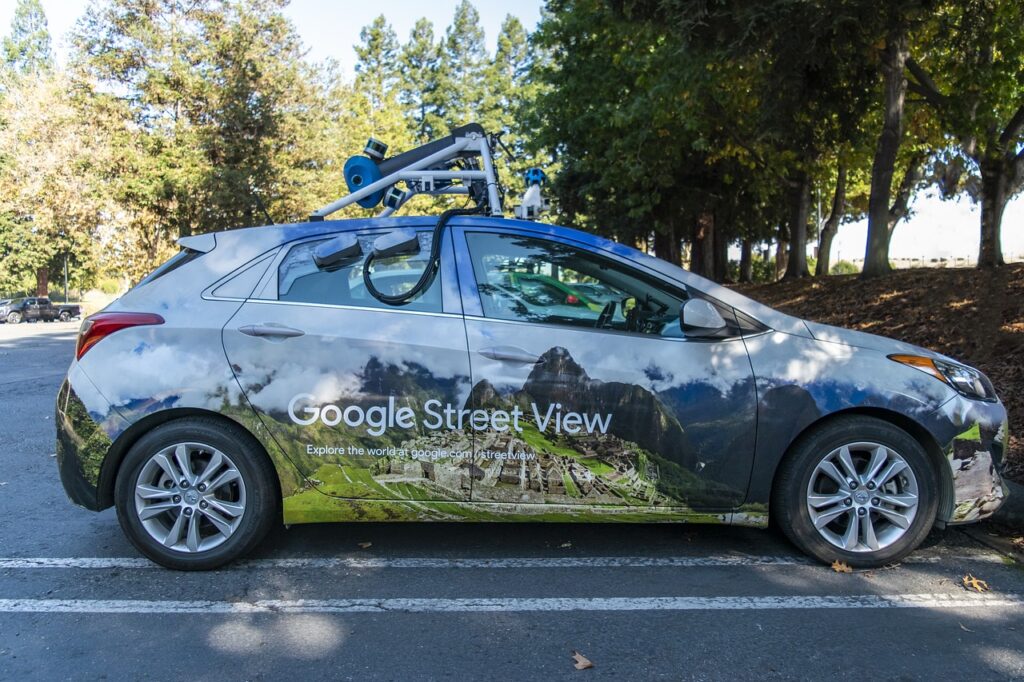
(36, 308)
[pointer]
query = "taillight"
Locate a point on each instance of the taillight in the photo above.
(101, 325)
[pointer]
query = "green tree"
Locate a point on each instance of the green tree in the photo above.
(52, 185)
(460, 82)
(419, 62)
(970, 71)
(27, 49)
(377, 65)
(214, 98)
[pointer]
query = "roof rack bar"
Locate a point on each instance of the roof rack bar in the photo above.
(460, 145)
(493, 200)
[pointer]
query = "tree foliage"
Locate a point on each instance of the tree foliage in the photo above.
(684, 127)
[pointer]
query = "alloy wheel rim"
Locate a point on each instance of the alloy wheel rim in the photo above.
(190, 497)
(862, 497)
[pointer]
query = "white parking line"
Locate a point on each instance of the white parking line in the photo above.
(495, 563)
(513, 604)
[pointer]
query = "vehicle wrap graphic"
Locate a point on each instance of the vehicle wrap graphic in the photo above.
(682, 416)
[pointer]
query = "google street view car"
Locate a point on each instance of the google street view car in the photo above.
(473, 367)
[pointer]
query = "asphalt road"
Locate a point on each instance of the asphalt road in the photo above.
(472, 601)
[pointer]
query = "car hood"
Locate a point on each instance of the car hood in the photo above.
(882, 344)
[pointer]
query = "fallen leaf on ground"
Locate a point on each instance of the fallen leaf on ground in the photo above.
(582, 662)
(1018, 543)
(965, 628)
(841, 567)
(365, 545)
(566, 544)
(972, 583)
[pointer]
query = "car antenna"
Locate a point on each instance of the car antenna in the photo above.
(259, 202)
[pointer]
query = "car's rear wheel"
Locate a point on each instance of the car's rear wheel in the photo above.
(13, 318)
(858, 490)
(65, 316)
(195, 494)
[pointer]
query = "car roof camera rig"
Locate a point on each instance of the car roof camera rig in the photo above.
(533, 203)
(461, 163)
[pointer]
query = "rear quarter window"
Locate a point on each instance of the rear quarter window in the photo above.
(301, 281)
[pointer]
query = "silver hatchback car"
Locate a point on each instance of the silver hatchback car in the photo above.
(252, 380)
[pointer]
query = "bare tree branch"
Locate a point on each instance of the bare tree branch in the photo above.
(1014, 128)
(924, 85)
(910, 179)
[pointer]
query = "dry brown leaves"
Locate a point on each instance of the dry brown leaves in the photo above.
(581, 661)
(972, 583)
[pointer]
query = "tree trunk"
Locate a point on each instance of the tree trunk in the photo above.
(994, 195)
(800, 211)
(702, 253)
(721, 256)
(831, 226)
(42, 282)
(746, 261)
(894, 60)
(781, 251)
(667, 247)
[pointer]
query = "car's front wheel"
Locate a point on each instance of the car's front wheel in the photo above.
(195, 494)
(13, 318)
(858, 490)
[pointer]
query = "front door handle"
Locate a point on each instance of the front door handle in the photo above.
(271, 330)
(510, 354)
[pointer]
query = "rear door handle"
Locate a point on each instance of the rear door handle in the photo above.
(271, 330)
(510, 354)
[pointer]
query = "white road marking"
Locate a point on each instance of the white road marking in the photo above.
(514, 604)
(351, 562)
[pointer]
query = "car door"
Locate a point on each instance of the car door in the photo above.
(31, 310)
(604, 407)
(347, 385)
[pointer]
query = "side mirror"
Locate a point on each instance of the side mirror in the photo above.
(404, 242)
(697, 318)
(337, 252)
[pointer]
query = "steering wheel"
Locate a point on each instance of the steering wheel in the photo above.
(605, 318)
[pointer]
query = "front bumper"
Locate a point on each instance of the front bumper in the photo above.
(86, 427)
(974, 442)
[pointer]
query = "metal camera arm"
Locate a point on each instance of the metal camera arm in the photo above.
(428, 169)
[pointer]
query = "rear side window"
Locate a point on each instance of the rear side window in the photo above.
(299, 280)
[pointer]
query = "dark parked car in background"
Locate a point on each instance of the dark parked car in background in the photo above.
(67, 311)
(35, 308)
(30, 309)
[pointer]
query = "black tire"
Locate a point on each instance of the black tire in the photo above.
(14, 318)
(789, 494)
(262, 499)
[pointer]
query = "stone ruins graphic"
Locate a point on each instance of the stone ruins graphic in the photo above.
(643, 459)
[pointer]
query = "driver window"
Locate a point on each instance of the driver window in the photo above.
(535, 280)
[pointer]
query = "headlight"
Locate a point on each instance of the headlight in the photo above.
(963, 379)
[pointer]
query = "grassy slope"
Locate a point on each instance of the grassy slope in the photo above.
(974, 316)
